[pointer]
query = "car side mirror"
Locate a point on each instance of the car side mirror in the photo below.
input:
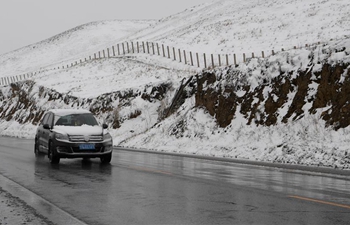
(104, 126)
(46, 126)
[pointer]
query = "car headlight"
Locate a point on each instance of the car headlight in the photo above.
(62, 137)
(107, 137)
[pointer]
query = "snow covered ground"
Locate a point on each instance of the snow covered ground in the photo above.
(216, 27)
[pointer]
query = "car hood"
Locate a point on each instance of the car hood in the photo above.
(84, 130)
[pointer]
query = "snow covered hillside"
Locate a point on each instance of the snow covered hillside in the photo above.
(71, 44)
(92, 79)
(235, 26)
(220, 26)
(291, 107)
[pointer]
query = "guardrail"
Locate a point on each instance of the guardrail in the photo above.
(198, 60)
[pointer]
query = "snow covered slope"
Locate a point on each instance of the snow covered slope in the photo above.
(71, 44)
(252, 26)
(92, 79)
(220, 26)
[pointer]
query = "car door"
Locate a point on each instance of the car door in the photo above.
(40, 132)
(46, 132)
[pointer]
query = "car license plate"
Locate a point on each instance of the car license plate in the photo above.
(86, 146)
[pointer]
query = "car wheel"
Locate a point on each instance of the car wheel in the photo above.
(54, 159)
(106, 159)
(36, 149)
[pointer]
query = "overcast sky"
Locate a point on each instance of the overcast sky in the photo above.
(24, 22)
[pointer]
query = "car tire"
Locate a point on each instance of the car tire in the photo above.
(106, 159)
(54, 159)
(36, 149)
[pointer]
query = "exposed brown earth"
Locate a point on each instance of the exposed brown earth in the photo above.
(333, 91)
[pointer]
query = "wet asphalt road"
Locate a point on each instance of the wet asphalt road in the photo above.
(141, 188)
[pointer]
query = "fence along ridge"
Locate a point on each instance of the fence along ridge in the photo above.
(203, 60)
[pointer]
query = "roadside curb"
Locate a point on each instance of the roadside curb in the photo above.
(314, 169)
(42, 206)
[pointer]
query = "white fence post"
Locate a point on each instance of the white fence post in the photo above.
(180, 55)
(197, 59)
(191, 58)
(174, 53)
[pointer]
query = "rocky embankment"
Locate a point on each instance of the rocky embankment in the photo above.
(327, 90)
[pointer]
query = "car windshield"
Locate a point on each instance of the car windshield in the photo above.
(75, 120)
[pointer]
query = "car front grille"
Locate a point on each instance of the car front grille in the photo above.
(81, 138)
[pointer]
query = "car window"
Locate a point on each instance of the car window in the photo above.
(76, 120)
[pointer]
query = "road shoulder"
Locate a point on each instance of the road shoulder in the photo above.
(15, 211)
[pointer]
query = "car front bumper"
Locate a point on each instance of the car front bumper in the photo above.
(68, 149)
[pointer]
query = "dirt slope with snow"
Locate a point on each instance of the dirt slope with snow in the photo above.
(290, 108)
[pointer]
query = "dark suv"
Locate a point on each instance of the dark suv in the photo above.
(72, 133)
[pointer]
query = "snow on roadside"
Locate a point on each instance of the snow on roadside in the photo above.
(15, 211)
(307, 141)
